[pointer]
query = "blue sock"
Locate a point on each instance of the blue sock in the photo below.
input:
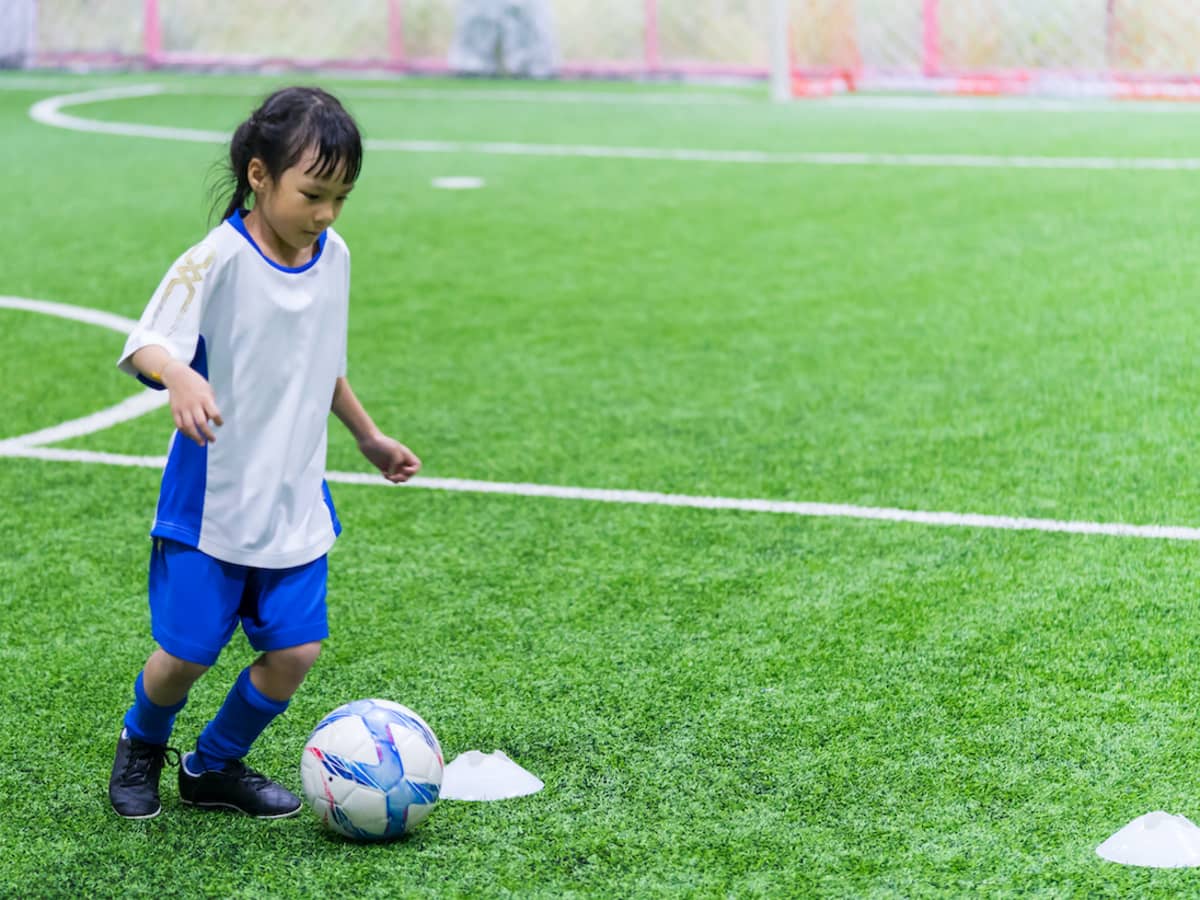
(244, 715)
(146, 720)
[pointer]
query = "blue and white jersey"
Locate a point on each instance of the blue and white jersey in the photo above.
(271, 341)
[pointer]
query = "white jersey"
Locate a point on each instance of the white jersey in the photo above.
(271, 341)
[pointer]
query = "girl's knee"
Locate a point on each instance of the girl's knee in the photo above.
(177, 669)
(298, 659)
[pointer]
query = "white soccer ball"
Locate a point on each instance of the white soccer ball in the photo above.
(372, 770)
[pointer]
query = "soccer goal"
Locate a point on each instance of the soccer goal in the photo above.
(1122, 48)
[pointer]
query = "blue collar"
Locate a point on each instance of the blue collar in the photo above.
(236, 220)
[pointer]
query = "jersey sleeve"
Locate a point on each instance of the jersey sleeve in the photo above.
(172, 317)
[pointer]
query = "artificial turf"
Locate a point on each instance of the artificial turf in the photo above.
(719, 703)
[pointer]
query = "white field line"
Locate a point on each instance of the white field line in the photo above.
(763, 157)
(993, 104)
(127, 409)
(899, 103)
(651, 498)
(111, 321)
(437, 95)
(31, 446)
(28, 446)
(501, 95)
(23, 83)
(49, 112)
(903, 103)
(14, 449)
(131, 408)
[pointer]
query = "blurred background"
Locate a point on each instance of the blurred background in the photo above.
(1122, 47)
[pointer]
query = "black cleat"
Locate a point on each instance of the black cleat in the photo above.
(133, 785)
(238, 787)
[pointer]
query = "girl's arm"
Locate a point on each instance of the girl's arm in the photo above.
(193, 405)
(393, 459)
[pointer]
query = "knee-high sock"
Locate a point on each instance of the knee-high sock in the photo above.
(146, 720)
(243, 716)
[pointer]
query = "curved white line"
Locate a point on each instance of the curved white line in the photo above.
(108, 320)
(49, 112)
(935, 103)
(127, 409)
(130, 408)
(652, 498)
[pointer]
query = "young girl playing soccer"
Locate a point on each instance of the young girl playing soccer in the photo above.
(247, 332)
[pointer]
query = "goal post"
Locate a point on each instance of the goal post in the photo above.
(18, 27)
(817, 45)
(781, 50)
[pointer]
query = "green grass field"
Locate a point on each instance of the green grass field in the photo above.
(721, 704)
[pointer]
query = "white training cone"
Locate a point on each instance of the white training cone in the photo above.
(475, 775)
(1156, 839)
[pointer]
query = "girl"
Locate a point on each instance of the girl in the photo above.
(248, 328)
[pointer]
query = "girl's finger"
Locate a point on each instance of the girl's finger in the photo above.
(202, 428)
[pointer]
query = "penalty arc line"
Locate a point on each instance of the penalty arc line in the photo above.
(49, 112)
(933, 103)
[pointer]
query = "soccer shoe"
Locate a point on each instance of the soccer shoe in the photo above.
(238, 787)
(133, 785)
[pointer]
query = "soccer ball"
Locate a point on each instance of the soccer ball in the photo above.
(372, 770)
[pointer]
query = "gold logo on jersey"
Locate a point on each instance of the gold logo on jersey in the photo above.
(188, 274)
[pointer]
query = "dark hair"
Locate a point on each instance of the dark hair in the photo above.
(286, 124)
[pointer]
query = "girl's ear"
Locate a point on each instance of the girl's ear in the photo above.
(257, 174)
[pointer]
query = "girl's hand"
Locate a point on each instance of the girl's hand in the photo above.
(392, 458)
(193, 404)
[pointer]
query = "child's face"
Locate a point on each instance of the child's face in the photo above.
(299, 206)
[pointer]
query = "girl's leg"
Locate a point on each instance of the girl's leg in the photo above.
(215, 776)
(280, 609)
(261, 693)
(278, 673)
(168, 678)
(160, 691)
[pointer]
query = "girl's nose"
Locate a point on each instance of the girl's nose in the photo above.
(325, 216)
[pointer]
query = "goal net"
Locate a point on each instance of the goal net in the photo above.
(1109, 47)
(1089, 47)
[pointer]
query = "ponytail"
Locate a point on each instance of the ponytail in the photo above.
(241, 151)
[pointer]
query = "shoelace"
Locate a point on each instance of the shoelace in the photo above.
(256, 779)
(143, 757)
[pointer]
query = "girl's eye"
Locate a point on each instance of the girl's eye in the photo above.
(308, 195)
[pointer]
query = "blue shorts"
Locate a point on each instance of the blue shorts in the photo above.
(196, 602)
